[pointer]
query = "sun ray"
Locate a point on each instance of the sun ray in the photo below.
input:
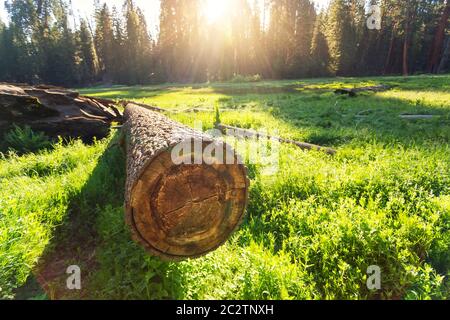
(215, 10)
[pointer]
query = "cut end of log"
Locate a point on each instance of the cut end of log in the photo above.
(187, 210)
(179, 210)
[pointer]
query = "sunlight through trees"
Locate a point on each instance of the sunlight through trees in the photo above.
(209, 40)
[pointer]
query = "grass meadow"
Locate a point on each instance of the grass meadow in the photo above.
(312, 228)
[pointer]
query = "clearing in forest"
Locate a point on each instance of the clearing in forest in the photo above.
(312, 229)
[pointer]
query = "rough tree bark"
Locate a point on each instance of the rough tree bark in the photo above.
(439, 39)
(55, 111)
(179, 210)
(388, 63)
(411, 12)
(445, 56)
(405, 65)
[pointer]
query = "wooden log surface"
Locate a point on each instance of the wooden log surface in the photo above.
(419, 116)
(353, 92)
(244, 133)
(55, 111)
(179, 210)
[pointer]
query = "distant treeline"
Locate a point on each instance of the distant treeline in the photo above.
(44, 42)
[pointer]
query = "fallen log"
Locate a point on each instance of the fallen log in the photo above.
(243, 133)
(419, 116)
(124, 103)
(55, 111)
(179, 209)
(353, 92)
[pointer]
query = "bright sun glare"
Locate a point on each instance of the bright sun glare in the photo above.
(215, 10)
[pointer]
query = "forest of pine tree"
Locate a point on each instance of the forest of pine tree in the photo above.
(42, 41)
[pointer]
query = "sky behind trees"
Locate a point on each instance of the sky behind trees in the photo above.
(151, 8)
(85, 9)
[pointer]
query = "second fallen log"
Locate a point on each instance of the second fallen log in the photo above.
(353, 92)
(244, 133)
(176, 206)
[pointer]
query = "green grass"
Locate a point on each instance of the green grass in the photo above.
(312, 229)
(36, 192)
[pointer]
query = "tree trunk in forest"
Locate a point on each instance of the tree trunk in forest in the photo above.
(406, 50)
(439, 39)
(445, 56)
(181, 200)
(387, 66)
(410, 17)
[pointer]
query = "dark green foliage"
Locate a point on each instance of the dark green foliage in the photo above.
(319, 50)
(250, 78)
(217, 120)
(24, 140)
(88, 67)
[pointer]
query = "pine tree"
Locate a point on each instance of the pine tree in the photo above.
(138, 46)
(167, 38)
(341, 37)
(178, 40)
(304, 28)
(257, 55)
(61, 65)
(320, 55)
(104, 38)
(21, 54)
(3, 48)
(439, 39)
(240, 25)
(410, 14)
(88, 61)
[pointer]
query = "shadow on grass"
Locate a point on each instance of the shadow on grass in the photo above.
(327, 119)
(333, 121)
(94, 237)
(76, 240)
(128, 94)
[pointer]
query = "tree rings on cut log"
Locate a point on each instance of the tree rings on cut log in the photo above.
(180, 207)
